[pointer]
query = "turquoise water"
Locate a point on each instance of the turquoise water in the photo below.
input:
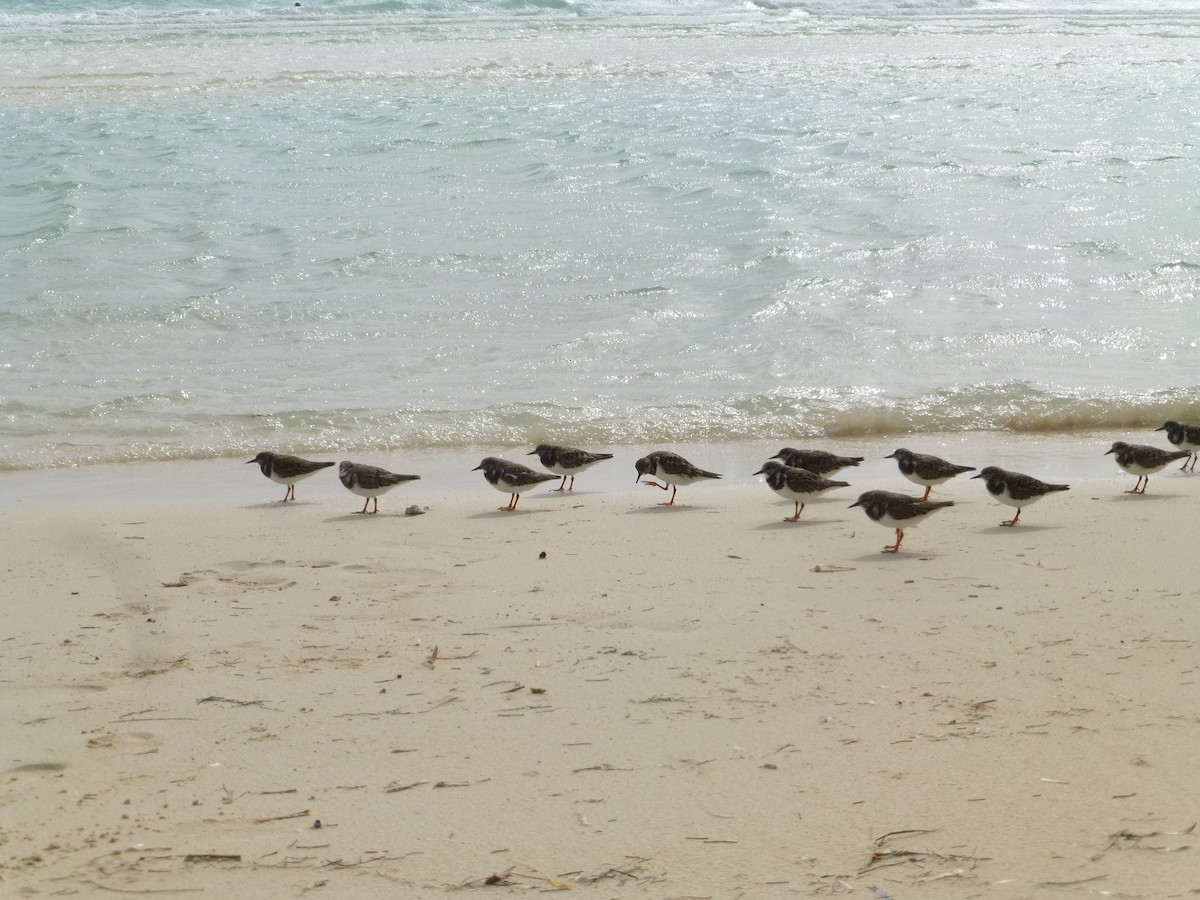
(364, 226)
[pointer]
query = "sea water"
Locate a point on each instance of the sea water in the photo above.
(406, 225)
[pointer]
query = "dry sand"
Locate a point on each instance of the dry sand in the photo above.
(702, 701)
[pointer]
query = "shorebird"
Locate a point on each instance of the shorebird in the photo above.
(1015, 489)
(671, 468)
(566, 461)
(1185, 437)
(926, 470)
(370, 482)
(1143, 461)
(820, 461)
(796, 484)
(511, 478)
(898, 511)
(284, 469)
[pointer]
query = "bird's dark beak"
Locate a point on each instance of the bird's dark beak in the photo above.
(760, 471)
(250, 461)
(477, 468)
(531, 453)
(1106, 452)
(980, 475)
(852, 505)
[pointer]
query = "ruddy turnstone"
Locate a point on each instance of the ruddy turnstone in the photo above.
(566, 461)
(284, 469)
(370, 482)
(671, 468)
(926, 470)
(898, 511)
(796, 484)
(511, 478)
(1185, 437)
(822, 462)
(1016, 489)
(1143, 461)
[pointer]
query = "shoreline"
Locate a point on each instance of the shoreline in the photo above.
(1051, 457)
(697, 701)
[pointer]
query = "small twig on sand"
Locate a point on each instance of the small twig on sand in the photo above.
(397, 711)
(234, 702)
(886, 856)
(298, 815)
(337, 863)
(212, 857)
(629, 870)
(1133, 839)
(1070, 883)
(394, 788)
(441, 702)
(602, 767)
(883, 837)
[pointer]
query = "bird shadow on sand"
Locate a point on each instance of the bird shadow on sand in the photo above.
(1126, 497)
(1019, 528)
(785, 525)
(279, 504)
(357, 516)
(916, 554)
(667, 510)
(500, 513)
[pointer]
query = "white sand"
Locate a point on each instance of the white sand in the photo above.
(672, 703)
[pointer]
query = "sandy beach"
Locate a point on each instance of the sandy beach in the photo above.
(212, 692)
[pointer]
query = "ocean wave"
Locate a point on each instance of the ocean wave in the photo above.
(28, 16)
(160, 427)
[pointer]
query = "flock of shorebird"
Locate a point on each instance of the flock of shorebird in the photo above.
(796, 475)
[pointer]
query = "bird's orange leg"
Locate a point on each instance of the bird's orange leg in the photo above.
(290, 494)
(572, 487)
(1134, 489)
(562, 484)
(670, 502)
(796, 517)
(928, 488)
(512, 503)
(1013, 520)
(895, 548)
